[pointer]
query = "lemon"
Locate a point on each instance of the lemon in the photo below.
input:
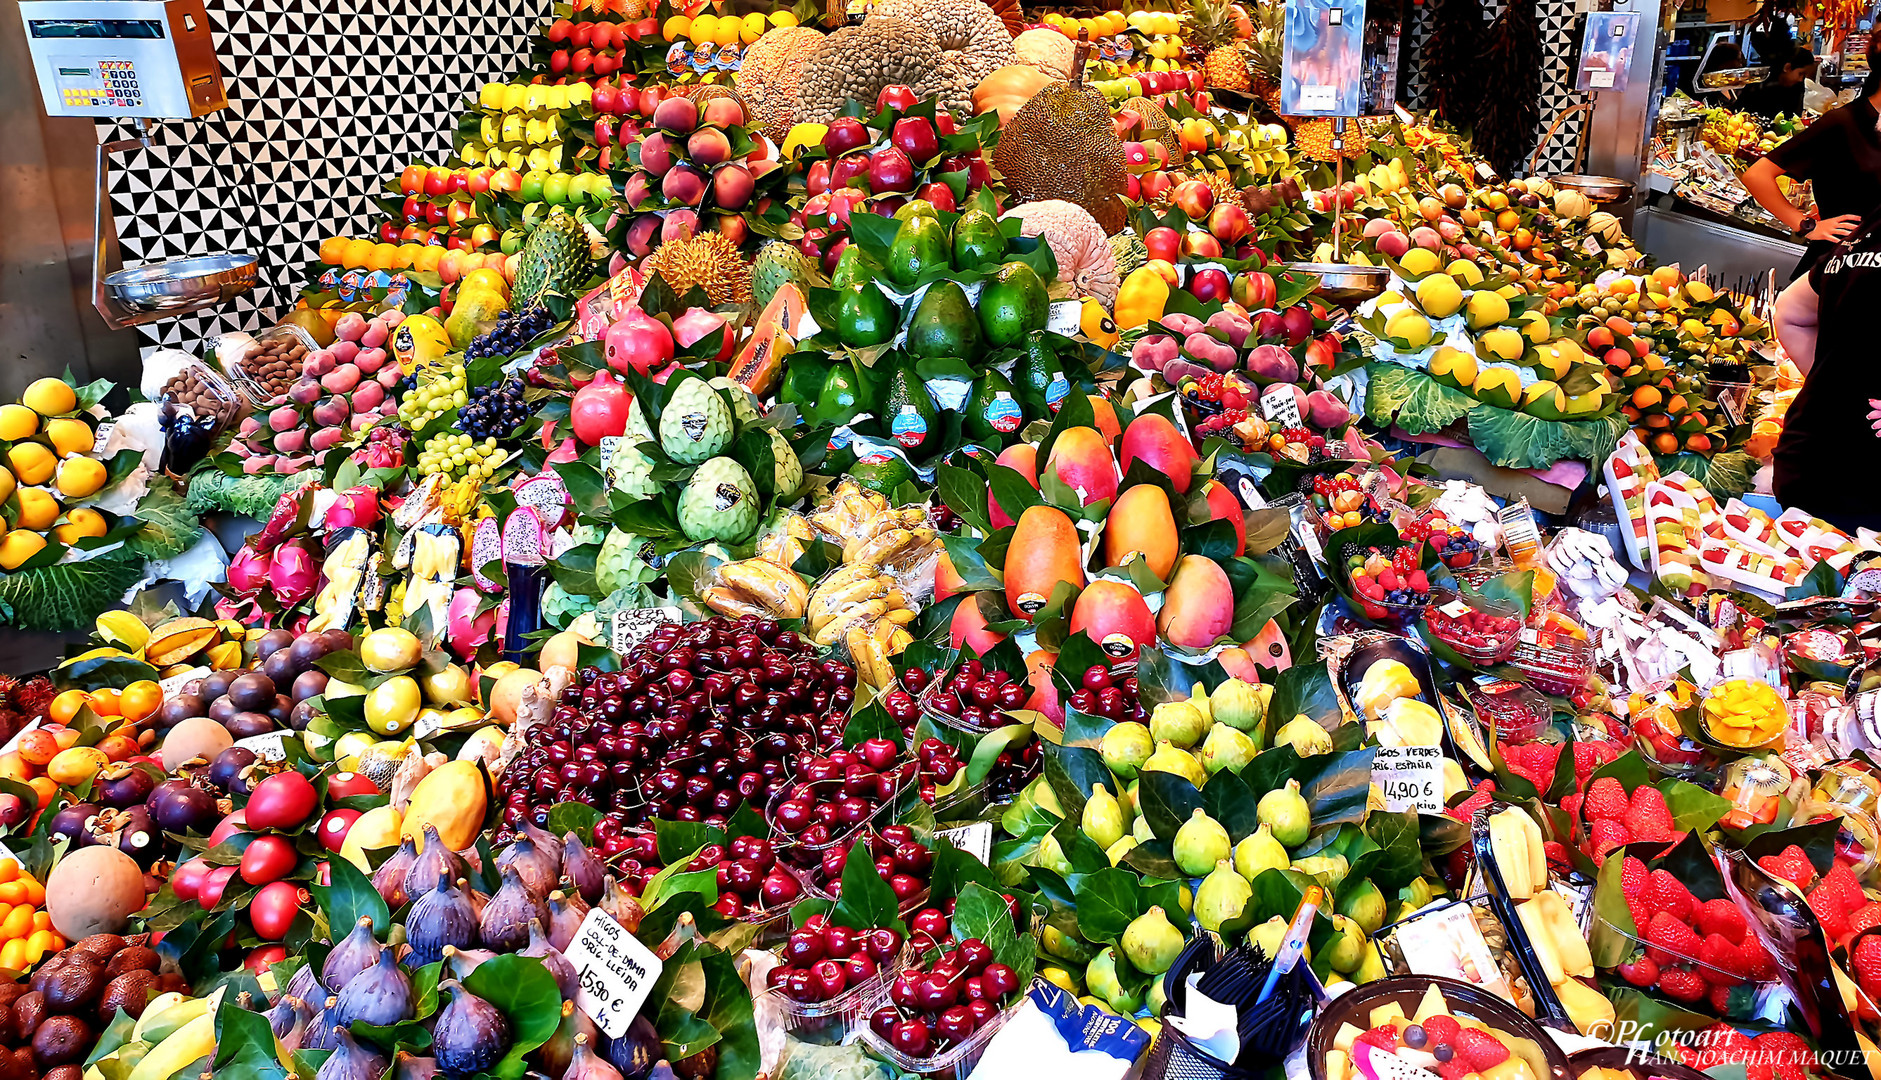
(1420, 261)
(69, 436)
(1411, 327)
(38, 509)
(80, 524)
(50, 397)
(81, 476)
(515, 97)
(1439, 296)
(18, 422)
(17, 547)
(783, 19)
(753, 28)
(31, 462)
(1486, 309)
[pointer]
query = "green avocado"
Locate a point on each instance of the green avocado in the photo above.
(1013, 303)
(920, 246)
(944, 324)
(852, 266)
(994, 415)
(909, 413)
(865, 316)
(977, 240)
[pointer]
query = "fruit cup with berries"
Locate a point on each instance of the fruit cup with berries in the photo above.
(1455, 546)
(1341, 503)
(1481, 629)
(1386, 583)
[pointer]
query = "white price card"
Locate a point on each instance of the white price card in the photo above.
(975, 839)
(1281, 409)
(616, 971)
(270, 745)
(1065, 317)
(173, 685)
(632, 627)
(1410, 777)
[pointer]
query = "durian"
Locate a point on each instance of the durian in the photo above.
(708, 261)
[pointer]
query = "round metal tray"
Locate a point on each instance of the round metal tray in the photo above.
(1600, 189)
(1341, 283)
(189, 282)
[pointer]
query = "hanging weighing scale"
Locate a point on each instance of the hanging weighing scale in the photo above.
(147, 61)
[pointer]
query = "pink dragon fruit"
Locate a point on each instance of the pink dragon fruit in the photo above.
(468, 629)
(355, 507)
(295, 573)
(285, 518)
(248, 570)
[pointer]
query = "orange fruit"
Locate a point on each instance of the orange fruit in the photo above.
(13, 893)
(357, 254)
(66, 737)
(42, 920)
(1646, 397)
(1665, 443)
(333, 250)
(9, 870)
(107, 701)
(19, 921)
(1658, 420)
(46, 789)
(37, 747)
(66, 706)
(35, 892)
(140, 699)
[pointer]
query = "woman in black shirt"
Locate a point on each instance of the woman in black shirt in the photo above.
(1823, 322)
(1782, 92)
(1841, 155)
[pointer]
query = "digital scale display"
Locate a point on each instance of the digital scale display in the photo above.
(151, 59)
(106, 84)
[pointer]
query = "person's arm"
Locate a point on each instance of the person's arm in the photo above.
(1798, 157)
(1795, 321)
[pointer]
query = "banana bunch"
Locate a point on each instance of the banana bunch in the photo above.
(764, 585)
(174, 1032)
(871, 531)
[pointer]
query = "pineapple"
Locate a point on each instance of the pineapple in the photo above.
(1265, 49)
(1212, 33)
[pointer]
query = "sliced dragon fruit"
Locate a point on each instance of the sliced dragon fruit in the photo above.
(546, 495)
(524, 539)
(486, 547)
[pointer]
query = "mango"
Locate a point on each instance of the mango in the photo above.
(968, 628)
(452, 797)
(1081, 458)
(1044, 551)
(1156, 440)
(1021, 458)
(1141, 525)
(1198, 607)
(1223, 506)
(1116, 618)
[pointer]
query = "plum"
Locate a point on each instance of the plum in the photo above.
(1273, 363)
(1236, 327)
(284, 417)
(1177, 322)
(1323, 410)
(291, 442)
(1152, 351)
(1211, 350)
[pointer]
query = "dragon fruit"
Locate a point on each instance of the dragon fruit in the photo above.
(468, 629)
(486, 547)
(248, 570)
(355, 507)
(283, 521)
(295, 572)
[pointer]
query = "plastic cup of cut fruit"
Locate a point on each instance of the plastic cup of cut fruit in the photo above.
(1479, 629)
(1545, 1059)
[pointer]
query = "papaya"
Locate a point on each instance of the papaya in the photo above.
(1141, 525)
(1081, 459)
(451, 797)
(1044, 551)
(759, 365)
(1198, 607)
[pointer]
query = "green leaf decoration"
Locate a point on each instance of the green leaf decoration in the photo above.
(524, 991)
(245, 1043)
(1412, 400)
(350, 898)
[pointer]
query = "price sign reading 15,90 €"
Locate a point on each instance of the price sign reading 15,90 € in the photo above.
(616, 971)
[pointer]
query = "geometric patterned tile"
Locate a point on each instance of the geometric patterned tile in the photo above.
(325, 102)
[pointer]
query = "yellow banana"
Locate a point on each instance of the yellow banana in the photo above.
(828, 603)
(778, 589)
(854, 615)
(193, 1040)
(726, 602)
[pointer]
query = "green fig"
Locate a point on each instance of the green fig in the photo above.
(1365, 905)
(1330, 869)
(1151, 942)
(1140, 829)
(1178, 722)
(1221, 896)
(1051, 857)
(1103, 818)
(1286, 811)
(1227, 748)
(1268, 936)
(1125, 747)
(1155, 999)
(1100, 976)
(1239, 704)
(1171, 758)
(1116, 852)
(1126, 798)
(1200, 843)
(1346, 951)
(1068, 947)
(1185, 898)
(1305, 735)
(1372, 968)
(1259, 851)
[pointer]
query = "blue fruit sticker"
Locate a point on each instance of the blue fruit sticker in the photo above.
(909, 428)
(840, 438)
(1057, 391)
(1003, 414)
(678, 58)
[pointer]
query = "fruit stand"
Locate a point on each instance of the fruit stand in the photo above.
(852, 546)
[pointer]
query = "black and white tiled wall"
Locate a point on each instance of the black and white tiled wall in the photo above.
(326, 100)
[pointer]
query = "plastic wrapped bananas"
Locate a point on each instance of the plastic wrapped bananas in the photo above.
(764, 585)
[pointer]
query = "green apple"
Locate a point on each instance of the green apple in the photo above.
(533, 183)
(555, 189)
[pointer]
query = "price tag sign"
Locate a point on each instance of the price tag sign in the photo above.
(173, 685)
(1065, 317)
(630, 628)
(1411, 777)
(266, 745)
(1281, 409)
(616, 972)
(975, 839)
(1319, 99)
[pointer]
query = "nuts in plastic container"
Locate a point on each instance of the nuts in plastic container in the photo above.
(265, 366)
(193, 407)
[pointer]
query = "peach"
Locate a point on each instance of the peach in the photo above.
(1198, 607)
(708, 147)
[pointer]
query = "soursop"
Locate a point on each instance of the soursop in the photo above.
(778, 264)
(696, 423)
(555, 258)
(719, 503)
(743, 405)
(789, 468)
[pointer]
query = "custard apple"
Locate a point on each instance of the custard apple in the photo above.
(719, 503)
(631, 472)
(637, 430)
(743, 405)
(625, 559)
(789, 469)
(696, 423)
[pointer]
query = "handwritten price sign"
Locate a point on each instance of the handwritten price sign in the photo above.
(1410, 777)
(616, 971)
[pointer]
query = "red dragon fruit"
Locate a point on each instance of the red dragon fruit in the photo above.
(355, 507)
(295, 573)
(285, 519)
(468, 629)
(248, 570)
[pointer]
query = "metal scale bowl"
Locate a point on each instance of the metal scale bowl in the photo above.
(1342, 284)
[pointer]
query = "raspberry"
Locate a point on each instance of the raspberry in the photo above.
(1669, 940)
(1648, 816)
(1682, 985)
(1792, 865)
(1632, 877)
(1668, 894)
(1482, 1050)
(1723, 918)
(1606, 800)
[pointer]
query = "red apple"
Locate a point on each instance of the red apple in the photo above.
(845, 133)
(916, 138)
(895, 97)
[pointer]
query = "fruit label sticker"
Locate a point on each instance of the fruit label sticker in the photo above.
(1410, 777)
(173, 685)
(632, 626)
(1066, 317)
(1447, 942)
(1057, 391)
(615, 970)
(975, 839)
(909, 428)
(271, 745)
(1003, 413)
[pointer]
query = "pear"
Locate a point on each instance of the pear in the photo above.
(1102, 820)
(1100, 976)
(1227, 748)
(1286, 811)
(1151, 942)
(1117, 851)
(1178, 722)
(1200, 843)
(1346, 951)
(1365, 905)
(1305, 735)
(1221, 896)
(1171, 758)
(1329, 868)
(1258, 851)
(1125, 747)
(1239, 704)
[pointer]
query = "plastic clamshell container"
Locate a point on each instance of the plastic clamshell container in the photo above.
(236, 366)
(1553, 662)
(834, 1019)
(1456, 928)
(1518, 713)
(957, 1062)
(1744, 1006)
(1407, 991)
(1447, 608)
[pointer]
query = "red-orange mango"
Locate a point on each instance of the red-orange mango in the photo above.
(1198, 607)
(1081, 458)
(1116, 618)
(1141, 525)
(1155, 439)
(1044, 551)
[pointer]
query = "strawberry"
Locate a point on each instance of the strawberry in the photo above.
(1722, 917)
(1865, 917)
(1442, 1028)
(1632, 877)
(1647, 815)
(1866, 960)
(1606, 800)
(1843, 889)
(1682, 985)
(1641, 912)
(1760, 964)
(1608, 834)
(1572, 804)
(1417, 581)
(1482, 1050)
(1466, 810)
(1454, 1069)
(1557, 854)
(1640, 971)
(1722, 1043)
(1781, 1055)
(1725, 963)
(1830, 913)
(1384, 1036)
(1669, 940)
(1792, 865)
(1668, 894)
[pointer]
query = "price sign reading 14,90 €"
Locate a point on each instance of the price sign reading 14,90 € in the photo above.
(1410, 777)
(616, 971)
